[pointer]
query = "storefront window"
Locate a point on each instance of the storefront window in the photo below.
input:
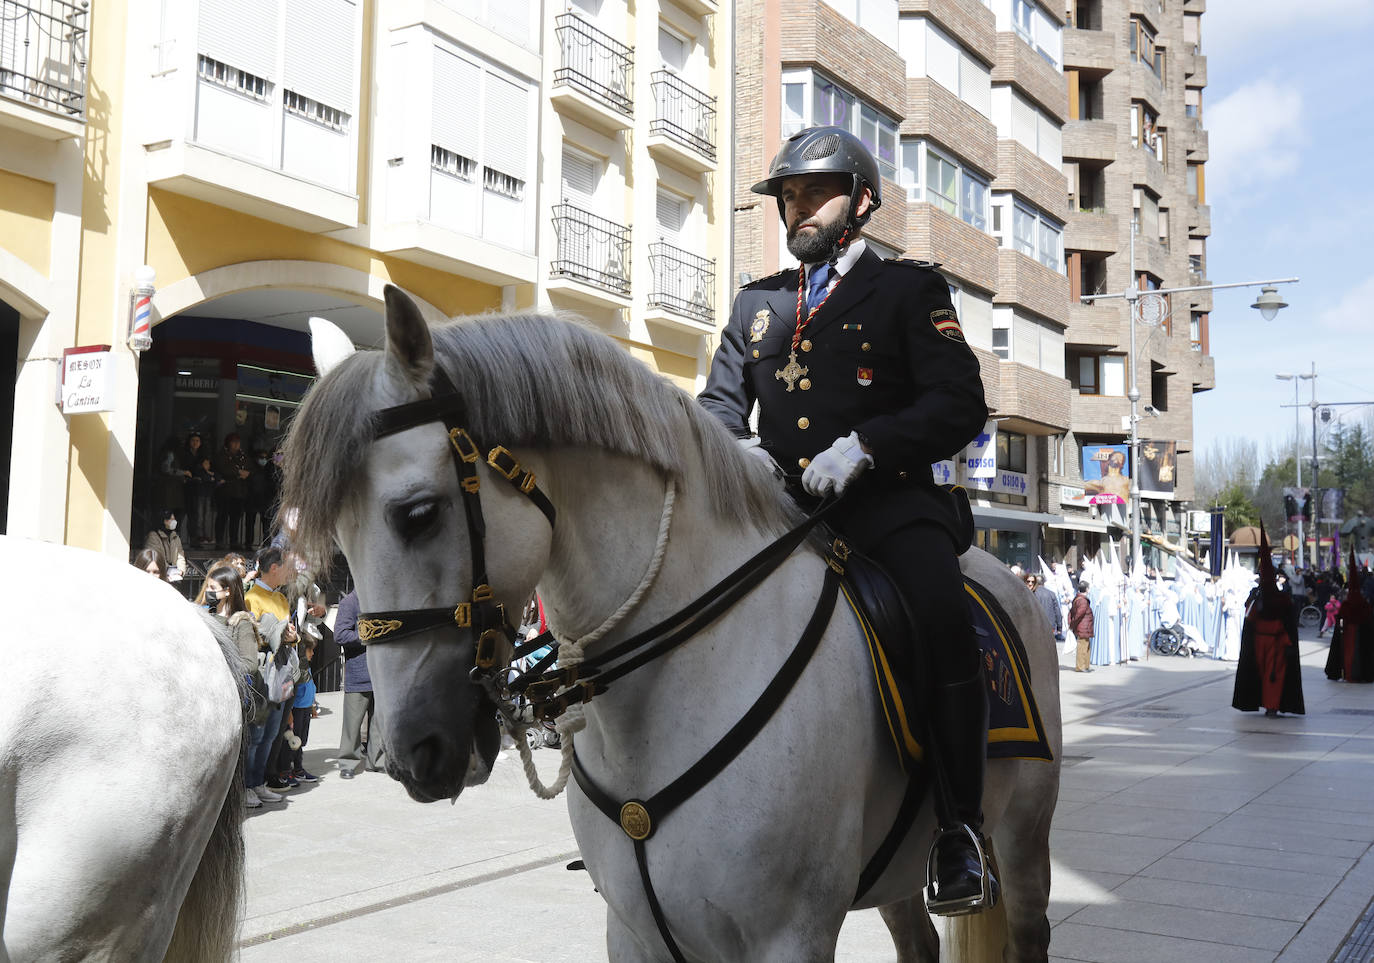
(1009, 547)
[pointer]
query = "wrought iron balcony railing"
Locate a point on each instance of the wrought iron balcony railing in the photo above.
(594, 63)
(43, 54)
(683, 113)
(683, 281)
(591, 249)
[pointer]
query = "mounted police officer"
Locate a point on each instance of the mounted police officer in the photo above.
(863, 379)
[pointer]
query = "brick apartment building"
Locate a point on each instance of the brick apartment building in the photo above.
(973, 109)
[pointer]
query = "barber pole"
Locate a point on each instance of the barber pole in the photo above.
(141, 337)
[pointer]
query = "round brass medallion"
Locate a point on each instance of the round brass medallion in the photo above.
(806, 345)
(634, 819)
(803, 422)
(804, 384)
(803, 462)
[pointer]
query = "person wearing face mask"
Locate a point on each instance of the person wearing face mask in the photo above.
(263, 487)
(166, 540)
(223, 597)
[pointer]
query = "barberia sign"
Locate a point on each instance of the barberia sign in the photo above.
(87, 380)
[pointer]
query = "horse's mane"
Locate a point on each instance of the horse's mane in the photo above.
(535, 381)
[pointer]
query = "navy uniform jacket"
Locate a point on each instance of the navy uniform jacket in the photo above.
(885, 357)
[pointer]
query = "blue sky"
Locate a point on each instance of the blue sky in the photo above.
(1290, 114)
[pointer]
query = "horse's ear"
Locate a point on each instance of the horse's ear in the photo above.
(328, 344)
(409, 347)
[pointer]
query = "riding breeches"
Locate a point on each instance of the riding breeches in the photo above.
(922, 563)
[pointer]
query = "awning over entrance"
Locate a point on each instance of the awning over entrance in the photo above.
(1082, 524)
(983, 516)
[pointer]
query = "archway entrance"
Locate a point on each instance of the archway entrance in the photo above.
(9, 363)
(230, 372)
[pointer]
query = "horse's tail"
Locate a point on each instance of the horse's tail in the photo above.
(977, 937)
(208, 925)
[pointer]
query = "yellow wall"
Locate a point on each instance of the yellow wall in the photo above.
(187, 236)
(26, 213)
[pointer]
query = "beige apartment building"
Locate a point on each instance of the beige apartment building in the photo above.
(962, 102)
(1135, 151)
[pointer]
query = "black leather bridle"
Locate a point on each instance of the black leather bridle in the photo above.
(482, 617)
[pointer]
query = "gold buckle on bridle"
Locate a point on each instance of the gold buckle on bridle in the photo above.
(494, 458)
(462, 441)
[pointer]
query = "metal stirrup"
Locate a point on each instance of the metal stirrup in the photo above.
(985, 899)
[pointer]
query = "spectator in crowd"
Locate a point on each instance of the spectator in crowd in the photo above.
(166, 540)
(223, 597)
(152, 562)
(264, 490)
(233, 469)
(265, 594)
(169, 485)
(359, 701)
(301, 712)
(200, 491)
(1081, 625)
(1333, 609)
(1049, 602)
(280, 639)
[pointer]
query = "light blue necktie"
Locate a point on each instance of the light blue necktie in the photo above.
(816, 283)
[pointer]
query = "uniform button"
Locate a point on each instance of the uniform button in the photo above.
(806, 345)
(866, 346)
(756, 352)
(803, 462)
(901, 475)
(804, 384)
(803, 422)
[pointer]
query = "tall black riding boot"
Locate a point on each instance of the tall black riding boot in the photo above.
(960, 724)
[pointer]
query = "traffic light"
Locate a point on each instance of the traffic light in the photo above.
(1307, 507)
(1290, 507)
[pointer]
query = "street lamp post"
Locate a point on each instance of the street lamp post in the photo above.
(1297, 439)
(1268, 304)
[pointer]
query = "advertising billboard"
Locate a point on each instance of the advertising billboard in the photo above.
(1106, 474)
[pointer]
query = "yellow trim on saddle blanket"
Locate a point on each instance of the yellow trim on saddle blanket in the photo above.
(889, 695)
(1026, 733)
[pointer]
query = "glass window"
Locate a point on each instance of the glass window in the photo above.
(793, 108)
(833, 105)
(941, 183)
(887, 148)
(1001, 342)
(1023, 230)
(974, 206)
(1049, 245)
(911, 169)
(1023, 14)
(1011, 451)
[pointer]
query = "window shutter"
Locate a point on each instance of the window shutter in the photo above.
(580, 176)
(507, 121)
(671, 212)
(242, 34)
(1023, 122)
(1048, 140)
(1025, 342)
(672, 50)
(975, 316)
(320, 56)
(454, 111)
(942, 59)
(511, 19)
(911, 42)
(975, 84)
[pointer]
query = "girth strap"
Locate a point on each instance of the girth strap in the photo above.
(639, 819)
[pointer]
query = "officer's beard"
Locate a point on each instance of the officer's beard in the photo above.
(812, 247)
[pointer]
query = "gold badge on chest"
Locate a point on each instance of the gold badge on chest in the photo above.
(759, 328)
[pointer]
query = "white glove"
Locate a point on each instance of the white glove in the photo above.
(833, 469)
(754, 446)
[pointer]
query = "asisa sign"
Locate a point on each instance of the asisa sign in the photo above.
(87, 380)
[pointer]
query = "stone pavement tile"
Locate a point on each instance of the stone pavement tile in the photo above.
(1173, 792)
(1309, 817)
(1224, 899)
(1316, 799)
(1314, 863)
(1285, 836)
(1112, 816)
(1330, 925)
(1073, 889)
(1191, 923)
(1222, 875)
(1102, 944)
(1105, 853)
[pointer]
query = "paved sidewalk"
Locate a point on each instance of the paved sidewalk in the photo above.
(1185, 831)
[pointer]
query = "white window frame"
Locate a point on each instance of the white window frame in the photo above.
(939, 199)
(886, 127)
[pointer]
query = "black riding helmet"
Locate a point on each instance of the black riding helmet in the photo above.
(826, 150)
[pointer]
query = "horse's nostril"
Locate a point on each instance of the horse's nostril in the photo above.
(426, 758)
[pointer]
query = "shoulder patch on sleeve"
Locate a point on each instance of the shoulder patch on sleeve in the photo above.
(913, 263)
(947, 323)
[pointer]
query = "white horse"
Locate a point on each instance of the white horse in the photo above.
(121, 782)
(762, 863)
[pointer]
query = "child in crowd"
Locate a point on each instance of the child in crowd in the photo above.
(301, 712)
(1333, 608)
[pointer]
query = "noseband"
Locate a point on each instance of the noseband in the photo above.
(482, 617)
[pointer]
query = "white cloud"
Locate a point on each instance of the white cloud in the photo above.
(1255, 137)
(1233, 27)
(1351, 314)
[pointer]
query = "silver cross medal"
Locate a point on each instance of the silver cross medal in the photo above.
(791, 371)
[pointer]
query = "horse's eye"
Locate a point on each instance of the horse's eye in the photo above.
(417, 520)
